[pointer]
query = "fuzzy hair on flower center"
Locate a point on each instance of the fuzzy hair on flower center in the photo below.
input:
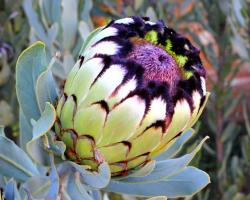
(136, 87)
(157, 63)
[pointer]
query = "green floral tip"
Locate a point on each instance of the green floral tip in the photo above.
(152, 37)
(180, 59)
(168, 46)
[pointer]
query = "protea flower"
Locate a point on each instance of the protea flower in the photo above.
(136, 86)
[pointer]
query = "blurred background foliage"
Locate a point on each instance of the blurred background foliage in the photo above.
(221, 29)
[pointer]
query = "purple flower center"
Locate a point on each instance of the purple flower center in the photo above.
(157, 63)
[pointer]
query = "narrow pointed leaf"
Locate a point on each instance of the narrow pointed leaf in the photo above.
(164, 169)
(84, 30)
(34, 21)
(76, 189)
(69, 25)
(98, 179)
(35, 147)
(43, 187)
(55, 11)
(57, 147)
(144, 171)
(54, 180)
(96, 194)
(85, 12)
(179, 185)
(176, 146)
(37, 186)
(11, 191)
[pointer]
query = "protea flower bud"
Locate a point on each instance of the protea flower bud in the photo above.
(136, 87)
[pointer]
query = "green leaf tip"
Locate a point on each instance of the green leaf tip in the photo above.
(38, 44)
(45, 122)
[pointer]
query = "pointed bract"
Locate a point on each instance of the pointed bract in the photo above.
(136, 86)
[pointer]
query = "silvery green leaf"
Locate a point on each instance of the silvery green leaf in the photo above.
(32, 36)
(99, 179)
(178, 185)
(43, 14)
(36, 146)
(57, 147)
(51, 11)
(84, 29)
(34, 21)
(145, 170)
(36, 149)
(52, 33)
(58, 71)
(54, 180)
(96, 194)
(85, 12)
(55, 11)
(14, 162)
(166, 168)
(46, 88)
(176, 146)
(43, 187)
(45, 122)
(37, 186)
(25, 130)
(30, 64)
(11, 191)
(68, 63)
(65, 195)
(69, 23)
(45, 7)
(75, 188)
(169, 178)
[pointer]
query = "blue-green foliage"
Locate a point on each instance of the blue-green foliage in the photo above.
(37, 94)
(62, 25)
